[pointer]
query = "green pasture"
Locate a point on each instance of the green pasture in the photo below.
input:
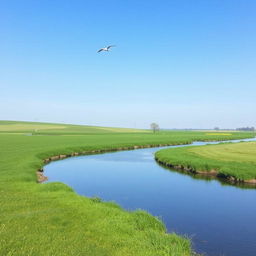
(228, 159)
(51, 219)
(60, 129)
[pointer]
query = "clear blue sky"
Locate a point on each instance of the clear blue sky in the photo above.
(180, 63)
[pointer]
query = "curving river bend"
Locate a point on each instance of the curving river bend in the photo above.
(219, 218)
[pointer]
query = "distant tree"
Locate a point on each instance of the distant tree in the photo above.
(154, 127)
(252, 129)
(216, 128)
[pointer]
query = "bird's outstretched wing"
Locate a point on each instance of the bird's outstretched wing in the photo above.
(110, 46)
(100, 50)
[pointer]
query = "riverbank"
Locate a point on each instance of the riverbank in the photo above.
(51, 219)
(235, 163)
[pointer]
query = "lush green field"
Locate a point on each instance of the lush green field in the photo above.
(51, 219)
(234, 161)
(59, 129)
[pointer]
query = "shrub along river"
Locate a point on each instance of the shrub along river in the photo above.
(219, 218)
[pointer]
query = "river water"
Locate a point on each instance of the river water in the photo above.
(219, 218)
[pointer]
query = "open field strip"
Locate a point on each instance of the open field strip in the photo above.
(51, 219)
(49, 128)
(234, 161)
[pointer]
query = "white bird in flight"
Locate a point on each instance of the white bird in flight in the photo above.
(106, 49)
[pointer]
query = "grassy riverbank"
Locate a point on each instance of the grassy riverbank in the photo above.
(51, 219)
(236, 162)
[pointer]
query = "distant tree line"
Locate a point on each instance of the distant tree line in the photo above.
(252, 129)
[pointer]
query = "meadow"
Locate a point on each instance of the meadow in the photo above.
(51, 219)
(234, 161)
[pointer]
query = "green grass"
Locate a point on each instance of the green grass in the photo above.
(51, 219)
(60, 129)
(228, 159)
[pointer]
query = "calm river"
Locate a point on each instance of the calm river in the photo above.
(219, 218)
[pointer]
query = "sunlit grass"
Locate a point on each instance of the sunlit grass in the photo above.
(238, 152)
(217, 133)
(229, 159)
(49, 128)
